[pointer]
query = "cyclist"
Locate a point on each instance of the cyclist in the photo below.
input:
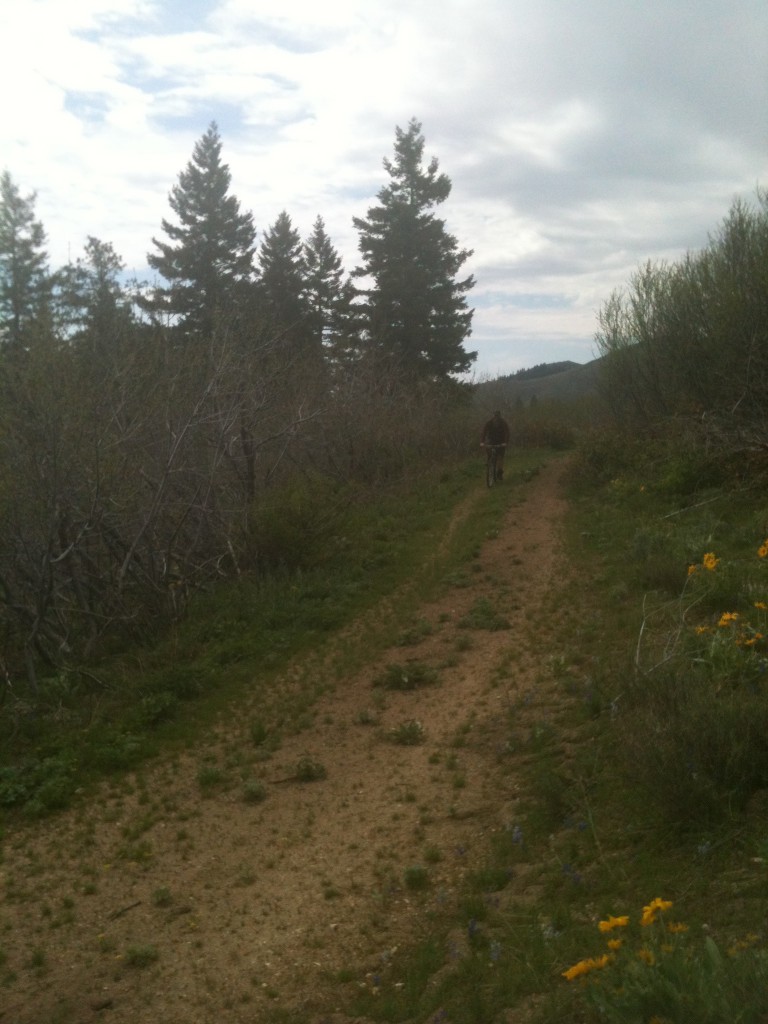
(496, 433)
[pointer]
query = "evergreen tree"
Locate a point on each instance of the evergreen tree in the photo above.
(90, 301)
(24, 279)
(415, 311)
(282, 284)
(210, 253)
(329, 296)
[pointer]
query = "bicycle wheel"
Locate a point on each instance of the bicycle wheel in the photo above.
(490, 468)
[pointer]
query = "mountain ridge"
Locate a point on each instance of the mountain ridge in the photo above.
(562, 381)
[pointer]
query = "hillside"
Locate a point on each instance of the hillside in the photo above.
(560, 382)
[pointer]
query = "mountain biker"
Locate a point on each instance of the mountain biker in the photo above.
(496, 433)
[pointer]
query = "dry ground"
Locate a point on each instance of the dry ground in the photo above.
(250, 905)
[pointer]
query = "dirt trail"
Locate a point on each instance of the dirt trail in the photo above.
(256, 905)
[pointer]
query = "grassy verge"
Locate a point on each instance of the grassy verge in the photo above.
(640, 843)
(234, 643)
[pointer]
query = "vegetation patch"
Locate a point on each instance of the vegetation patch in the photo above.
(410, 676)
(409, 733)
(483, 615)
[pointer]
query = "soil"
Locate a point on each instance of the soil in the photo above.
(163, 900)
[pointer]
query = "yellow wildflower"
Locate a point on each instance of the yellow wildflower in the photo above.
(727, 618)
(646, 956)
(749, 641)
(763, 549)
(761, 605)
(585, 966)
(613, 922)
(582, 967)
(676, 927)
(615, 943)
(692, 569)
(741, 944)
(703, 629)
(653, 908)
(709, 561)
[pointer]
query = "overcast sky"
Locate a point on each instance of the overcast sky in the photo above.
(582, 137)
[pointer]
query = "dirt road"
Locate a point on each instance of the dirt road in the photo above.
(159, 903)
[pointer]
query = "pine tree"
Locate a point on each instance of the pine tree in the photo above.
(90, 301)
(24, 278)
(282, 285)
(329, 296)
(210, 254)
(415, 311)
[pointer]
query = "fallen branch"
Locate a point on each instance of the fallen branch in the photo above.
(123, 910)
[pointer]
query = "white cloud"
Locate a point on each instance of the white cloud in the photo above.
(581, 139)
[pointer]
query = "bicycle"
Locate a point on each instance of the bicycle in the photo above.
(492, 474)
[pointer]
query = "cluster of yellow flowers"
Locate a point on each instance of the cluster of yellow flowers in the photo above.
(613, 922)
(654, 908)
(585, 966)
(708, 562)
(739, 945)
(649, 916)
(747, 636)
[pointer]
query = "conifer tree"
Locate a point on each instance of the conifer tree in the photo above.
(24, 278)
(329, 296)
(282, 284)
(90, 300)
(415, 310)
(210, 253)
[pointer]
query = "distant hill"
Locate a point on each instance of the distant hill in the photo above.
(564, 381)
(543, 370)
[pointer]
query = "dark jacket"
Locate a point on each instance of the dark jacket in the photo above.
(495, 432)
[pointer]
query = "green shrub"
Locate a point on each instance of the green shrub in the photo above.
(411, 676)
(490, 879)
(154, 709)
(308, 769)
(408, 734)
(116, 751)
(254, 791)
(414, 634)
(698, 746)
(416, 878)
(141, 956)
(292, 525)
(210, 776)
(694, 726)
(259, 732)
(483, 615)
(38, 786)
(162, 897)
